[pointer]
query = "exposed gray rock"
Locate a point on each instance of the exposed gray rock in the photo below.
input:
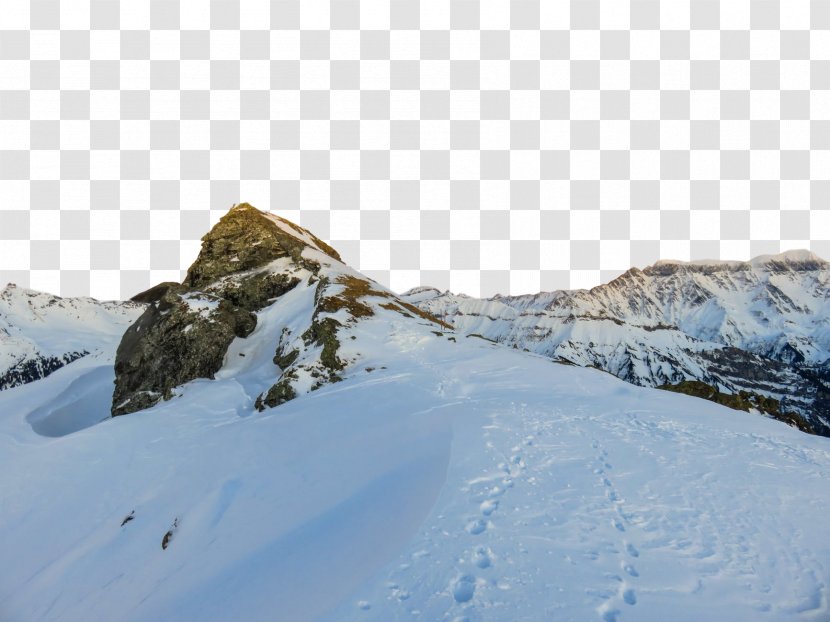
(245, 239)
(187, 328)
(180, 337)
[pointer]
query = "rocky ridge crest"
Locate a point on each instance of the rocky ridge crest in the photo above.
(249, 261)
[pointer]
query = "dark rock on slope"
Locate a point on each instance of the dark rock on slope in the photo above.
(183, 335)
(248, 261)
(244, 240)
(185, 332)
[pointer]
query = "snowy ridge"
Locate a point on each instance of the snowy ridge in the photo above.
(664, 324)
(40, 333)
(450, 479)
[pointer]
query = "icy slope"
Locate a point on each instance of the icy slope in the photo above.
(760, 326)
(456, 480)
(40, 333)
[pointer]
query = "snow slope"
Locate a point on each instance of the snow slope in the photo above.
(450, 480)
(761, 326)
(40, 332)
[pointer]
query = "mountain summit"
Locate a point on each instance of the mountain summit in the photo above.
(249, 261)
(248, 239)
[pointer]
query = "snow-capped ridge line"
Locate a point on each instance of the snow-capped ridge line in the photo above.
(42, 332)
(727, 324)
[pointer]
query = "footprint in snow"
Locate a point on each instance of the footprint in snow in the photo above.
(482, 557)
(632, 550)
(629, 596)
(612, 615)
(489, 506)
(464, 588)
(495, 491)
(476, 527)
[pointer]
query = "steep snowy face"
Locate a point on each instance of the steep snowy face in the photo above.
(254, 268)
(40, 333)
(759, 326)
(775, 305)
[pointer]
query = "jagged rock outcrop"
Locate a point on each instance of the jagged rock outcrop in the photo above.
(250, 261)
(183, 335)
(187, 328)
(245, 239)
(312, 358)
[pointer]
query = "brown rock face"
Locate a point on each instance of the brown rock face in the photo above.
(244, 239)
(186, 330)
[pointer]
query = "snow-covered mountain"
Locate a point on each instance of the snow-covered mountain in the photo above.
(252, 261)
(760, 327)
(40, 333)
(295, 442)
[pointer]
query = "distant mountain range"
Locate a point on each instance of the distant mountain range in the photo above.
(40, 333)
(753, 335)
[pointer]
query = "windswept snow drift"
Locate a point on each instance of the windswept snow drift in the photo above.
(457, 480)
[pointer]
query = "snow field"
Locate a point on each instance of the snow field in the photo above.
(455, 481)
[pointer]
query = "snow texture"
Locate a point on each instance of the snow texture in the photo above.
(445, 478)
(40, 332)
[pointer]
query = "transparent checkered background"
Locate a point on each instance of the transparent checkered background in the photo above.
(480, 145)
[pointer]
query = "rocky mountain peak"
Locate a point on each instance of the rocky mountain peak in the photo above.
(251, 264)
(247, 238)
